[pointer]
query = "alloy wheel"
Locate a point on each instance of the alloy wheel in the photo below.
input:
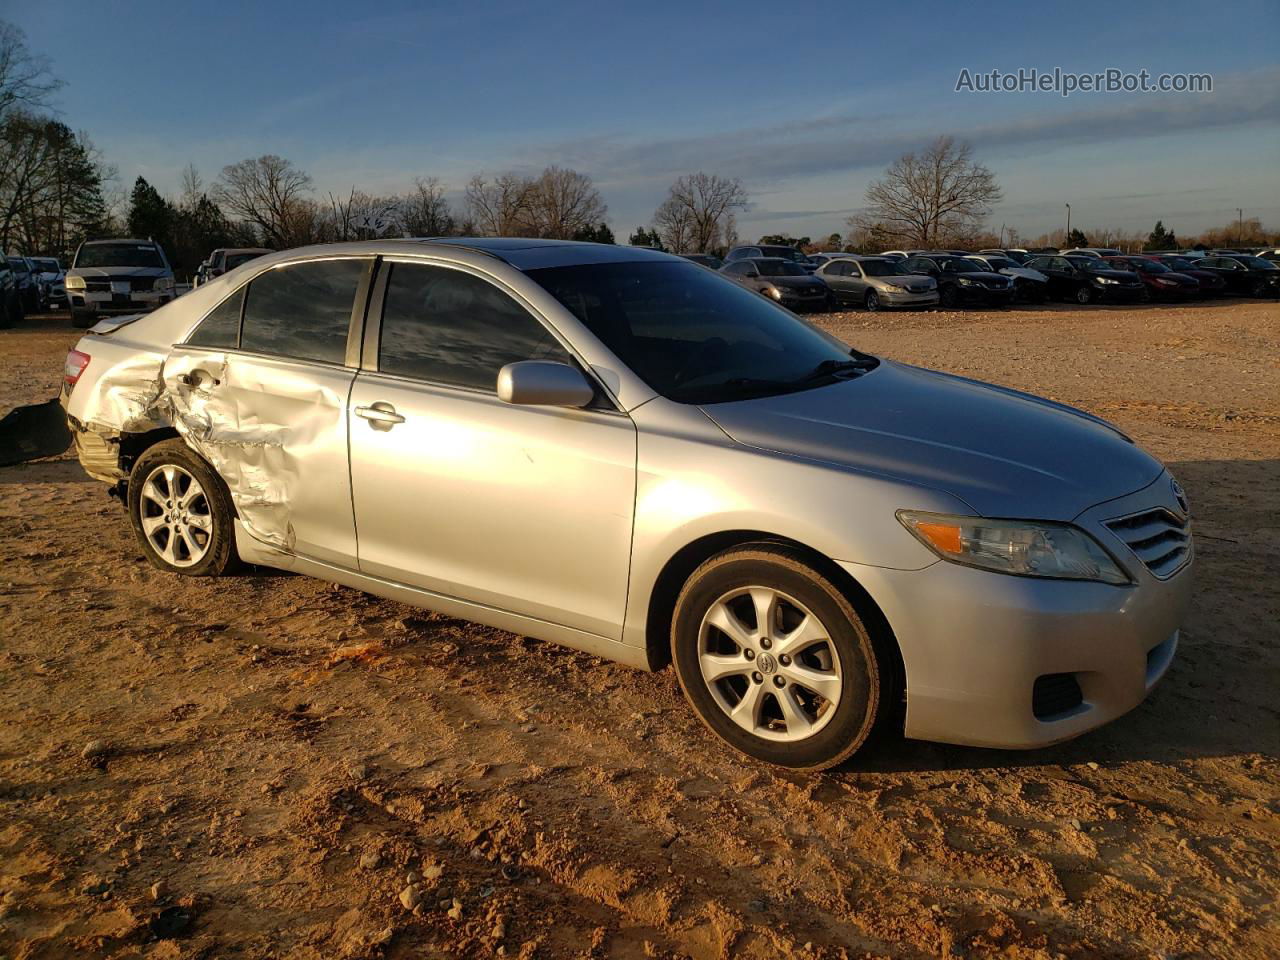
(175, 515)
(769, 663)
(873, 300)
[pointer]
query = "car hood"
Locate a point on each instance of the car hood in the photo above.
(1025, 273)
(986, 276)
(1005, 453)
(91, 272)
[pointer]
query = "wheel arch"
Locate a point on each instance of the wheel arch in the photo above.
(134, 445)
(678, 568)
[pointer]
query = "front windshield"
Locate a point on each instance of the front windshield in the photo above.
(1179, 263)
(960, 265)
(780, 268)
(18, 264)
(1098, 265)
(1018, 257)
(1000, 263)
(691, 335)
(47, 266)
(1257, 263)
(1150, 266)
(119, 255)
(882, 268)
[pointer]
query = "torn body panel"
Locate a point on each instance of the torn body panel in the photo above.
(265, 423)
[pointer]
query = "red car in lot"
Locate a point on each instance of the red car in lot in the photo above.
(1161, 282)
(1210, 283)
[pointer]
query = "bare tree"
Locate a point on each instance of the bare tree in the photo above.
(25, 79)
(355, 218)
(425, 212)
(563, 203)
(923, 199)
(501, 207)
(699, 212)
(270, 193)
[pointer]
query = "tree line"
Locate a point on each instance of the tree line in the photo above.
(56, 190)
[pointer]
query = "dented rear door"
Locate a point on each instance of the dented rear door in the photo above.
(270, 412)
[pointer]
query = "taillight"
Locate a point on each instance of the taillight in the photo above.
(76, 362)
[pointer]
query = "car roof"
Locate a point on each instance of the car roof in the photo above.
(134, 240)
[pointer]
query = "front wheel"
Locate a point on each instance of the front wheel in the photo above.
(775, 660)
(181, 512)
(871, 301)
(83, 319)
(948, 297)
(1084, 294)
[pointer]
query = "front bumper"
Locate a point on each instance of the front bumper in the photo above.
(985, 295)
(974, 643)
(1121, 294)
(139, 301)
(905, 298)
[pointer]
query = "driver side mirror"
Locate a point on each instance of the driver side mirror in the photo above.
(544, 383)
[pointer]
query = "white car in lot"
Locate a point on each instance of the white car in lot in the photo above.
(116, 277)
(1028, 284)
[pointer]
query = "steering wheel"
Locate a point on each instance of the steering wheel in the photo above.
(704, 351)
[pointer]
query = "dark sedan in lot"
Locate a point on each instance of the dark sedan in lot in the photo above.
(961, 281)
(782, 281)
(1245, 275)
(1161, 282)
(1088, 279)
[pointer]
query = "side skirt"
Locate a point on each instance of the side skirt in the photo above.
(254, 551)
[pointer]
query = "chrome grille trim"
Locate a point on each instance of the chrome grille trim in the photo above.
(1158, 537)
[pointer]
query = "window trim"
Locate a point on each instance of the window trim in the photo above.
(372, 339)
(355, 323)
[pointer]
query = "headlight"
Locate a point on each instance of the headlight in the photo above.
(966, 282)
(1164, 281)
(1105, 280)
(1025, 548)
(75, 283)
(773, 292)
(164, 283)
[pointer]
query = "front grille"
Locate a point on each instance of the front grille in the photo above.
(1055, 694)
(1159, 538)
(103, 284)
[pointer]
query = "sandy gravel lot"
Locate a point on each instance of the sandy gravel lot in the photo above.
(251, 767)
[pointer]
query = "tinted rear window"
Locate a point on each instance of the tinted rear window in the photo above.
(221, 328)
(302, 310)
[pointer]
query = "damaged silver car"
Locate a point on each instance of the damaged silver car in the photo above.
(619, 450)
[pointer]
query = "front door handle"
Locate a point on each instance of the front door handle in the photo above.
(381, 415)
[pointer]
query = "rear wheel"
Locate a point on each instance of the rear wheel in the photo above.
(181, 512)
(775, 660)
(871, 301)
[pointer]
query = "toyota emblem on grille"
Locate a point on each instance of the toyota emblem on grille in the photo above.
(1179, 495)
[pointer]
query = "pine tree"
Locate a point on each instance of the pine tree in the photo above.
(1076, 238)
(150, 215)
(1161, 239)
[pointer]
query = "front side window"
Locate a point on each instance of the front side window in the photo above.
(302, 310)
(454, 328)
(221, 328)
(691, 336)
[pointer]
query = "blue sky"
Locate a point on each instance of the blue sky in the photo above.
(805, 102)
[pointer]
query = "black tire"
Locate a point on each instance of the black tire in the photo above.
(1259, 289)
(83, 319)
(948, 297)
(220, 554)
(1084, 294)
(871, 301)
(7, 318)
(864, 673)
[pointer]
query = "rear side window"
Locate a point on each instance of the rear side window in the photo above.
(221, 328)
(451, 327)
(302, 310)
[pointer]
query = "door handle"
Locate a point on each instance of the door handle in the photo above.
(381, 415)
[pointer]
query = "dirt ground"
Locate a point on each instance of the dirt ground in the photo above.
(252, 767)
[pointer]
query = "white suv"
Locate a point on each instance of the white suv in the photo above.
(117, 276)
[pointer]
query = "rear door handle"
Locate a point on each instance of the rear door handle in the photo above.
(381, 415)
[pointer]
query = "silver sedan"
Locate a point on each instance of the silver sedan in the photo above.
(621, 451)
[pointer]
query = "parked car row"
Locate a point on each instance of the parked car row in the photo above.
(990, 277)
